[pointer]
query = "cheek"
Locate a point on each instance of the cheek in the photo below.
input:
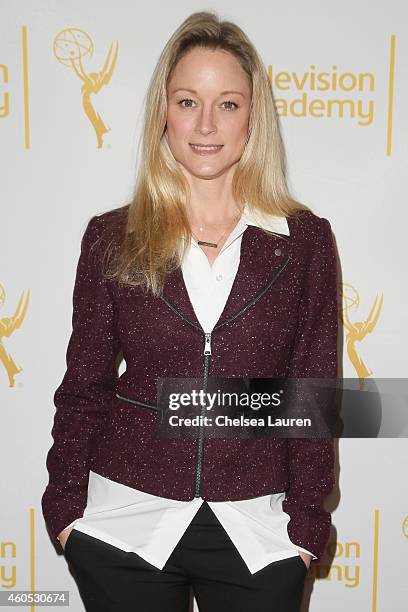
(237, 128)
(177, 124)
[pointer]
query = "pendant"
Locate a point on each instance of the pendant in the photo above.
(209, 244)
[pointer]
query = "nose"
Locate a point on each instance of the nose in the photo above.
(206, 121)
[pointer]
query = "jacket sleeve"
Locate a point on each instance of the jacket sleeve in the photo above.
(314, 355)
(83, 397)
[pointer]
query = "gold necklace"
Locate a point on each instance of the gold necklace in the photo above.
(213, 244)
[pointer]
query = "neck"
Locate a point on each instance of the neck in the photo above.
(211, 201)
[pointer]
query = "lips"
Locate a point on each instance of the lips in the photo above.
(202, 149)
(201, 144)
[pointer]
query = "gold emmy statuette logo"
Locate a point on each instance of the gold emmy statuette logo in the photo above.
(7, 327)
(70, 48)
(405, 526)
(357, 330)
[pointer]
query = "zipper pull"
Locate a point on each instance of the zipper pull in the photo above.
(207, 345)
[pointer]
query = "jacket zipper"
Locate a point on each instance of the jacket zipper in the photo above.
(207, 355)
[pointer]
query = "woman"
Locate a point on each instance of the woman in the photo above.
(212, 270)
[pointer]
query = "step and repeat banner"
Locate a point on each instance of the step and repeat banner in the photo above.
(73, 79)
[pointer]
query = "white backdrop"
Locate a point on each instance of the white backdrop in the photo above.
(347, 159)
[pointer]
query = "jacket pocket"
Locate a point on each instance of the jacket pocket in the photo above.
(138, 403)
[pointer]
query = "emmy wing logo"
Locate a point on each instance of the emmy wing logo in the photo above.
(357, 330)
(71, 48)
(405, 526)
(7, 327)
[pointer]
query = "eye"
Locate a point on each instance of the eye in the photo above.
(184, 100)
(230, 102)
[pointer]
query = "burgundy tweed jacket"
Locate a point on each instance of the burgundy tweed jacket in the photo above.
(280, 320)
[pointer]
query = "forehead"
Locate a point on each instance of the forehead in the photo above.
(208, 67)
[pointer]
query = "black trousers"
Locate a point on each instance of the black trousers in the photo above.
(204, 560)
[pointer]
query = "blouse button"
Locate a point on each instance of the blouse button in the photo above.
(218, 277)
(278, 252)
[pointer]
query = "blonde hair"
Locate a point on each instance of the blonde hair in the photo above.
(157, 231)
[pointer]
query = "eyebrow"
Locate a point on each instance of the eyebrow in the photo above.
(223, 93)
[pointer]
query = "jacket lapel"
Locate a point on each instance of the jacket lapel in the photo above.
(175, 295)
(263, 257)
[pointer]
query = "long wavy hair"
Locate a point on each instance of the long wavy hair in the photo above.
(156, 232)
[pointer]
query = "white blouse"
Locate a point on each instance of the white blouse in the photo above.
(151, 526)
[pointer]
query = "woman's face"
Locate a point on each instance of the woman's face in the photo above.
(208, 102)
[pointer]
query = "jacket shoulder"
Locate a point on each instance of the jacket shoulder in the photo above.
(307, 225)
(102, 236)
(104, 227)
(109, 221)
(311, 238)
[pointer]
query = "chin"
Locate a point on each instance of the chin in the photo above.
(207, 170)
(207, 174)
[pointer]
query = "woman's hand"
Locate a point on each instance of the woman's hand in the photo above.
(306, 558)
(63, 536)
